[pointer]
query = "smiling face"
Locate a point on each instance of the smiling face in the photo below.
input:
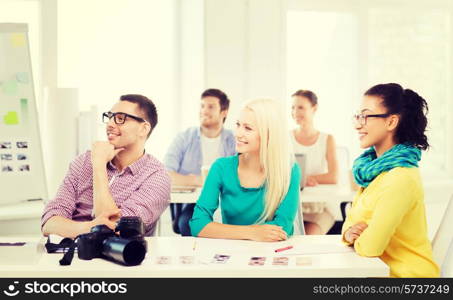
(377, 131)
(247, 133)
(132, 131)
(210, 112)
(302, 110)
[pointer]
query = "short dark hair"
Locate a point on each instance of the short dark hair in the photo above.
(411, 108)
(146, 106)
(307, 94)
(223, 98)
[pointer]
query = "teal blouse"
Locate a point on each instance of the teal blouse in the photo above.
(240, 205)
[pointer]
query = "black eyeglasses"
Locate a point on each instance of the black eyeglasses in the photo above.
(361, 118)
(119, 117)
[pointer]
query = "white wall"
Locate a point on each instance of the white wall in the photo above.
(191, 61)
(322, 57)
(121, 47)
(402, 41)
(244, 48)
(246, 55)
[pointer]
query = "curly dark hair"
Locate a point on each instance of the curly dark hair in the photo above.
(411, 108)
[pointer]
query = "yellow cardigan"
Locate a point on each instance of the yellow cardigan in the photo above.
(393, 208)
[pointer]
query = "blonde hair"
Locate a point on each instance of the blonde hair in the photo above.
(276, 154)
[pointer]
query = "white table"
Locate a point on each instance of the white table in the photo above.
(331, 194)
(326, 193)
(319, 193)
(33, 261)
(21, 218)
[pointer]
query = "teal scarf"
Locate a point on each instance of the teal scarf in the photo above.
(367, 166)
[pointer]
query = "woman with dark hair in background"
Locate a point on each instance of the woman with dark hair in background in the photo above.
(387, 218)
(321, 161)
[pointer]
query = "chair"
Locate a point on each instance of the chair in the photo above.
(299, 228)
(443, 240)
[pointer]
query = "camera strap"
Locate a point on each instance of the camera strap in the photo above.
(63, 245)
(69, 255)
(67, 245)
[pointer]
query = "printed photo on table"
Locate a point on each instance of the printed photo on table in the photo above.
(257, 261)
(220, 258)
(280, 261)
(187, 260)
(163, 260)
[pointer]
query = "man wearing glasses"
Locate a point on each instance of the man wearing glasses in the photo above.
(116, 178)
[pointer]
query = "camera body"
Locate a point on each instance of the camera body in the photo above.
(129, 248)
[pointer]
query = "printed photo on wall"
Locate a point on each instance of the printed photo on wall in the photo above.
(7, 168)
(5, 145)
(6, 156)
(22, 145)
(22, 157)
(24, 168)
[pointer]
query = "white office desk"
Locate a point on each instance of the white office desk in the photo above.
(185, 197)
(37, 263)
(331, 194)
(21, 218)
(319, 193)
(22, 210)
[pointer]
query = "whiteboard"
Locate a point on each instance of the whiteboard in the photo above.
(22, 174)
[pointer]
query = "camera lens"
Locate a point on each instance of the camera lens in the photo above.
(134, 253)
(128, 252)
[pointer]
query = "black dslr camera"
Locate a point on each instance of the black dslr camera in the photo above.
(129, 248)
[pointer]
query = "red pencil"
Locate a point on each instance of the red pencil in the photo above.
(283, 249)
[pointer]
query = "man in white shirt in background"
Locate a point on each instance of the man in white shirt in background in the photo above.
(196, 147)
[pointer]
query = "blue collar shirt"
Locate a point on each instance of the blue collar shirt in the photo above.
(184, 155)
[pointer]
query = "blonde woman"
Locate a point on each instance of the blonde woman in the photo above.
(322, 165)
(258, 189)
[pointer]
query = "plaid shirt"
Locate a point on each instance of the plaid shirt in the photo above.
(142, 189)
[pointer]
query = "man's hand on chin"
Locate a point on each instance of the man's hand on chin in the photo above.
(102, 152)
